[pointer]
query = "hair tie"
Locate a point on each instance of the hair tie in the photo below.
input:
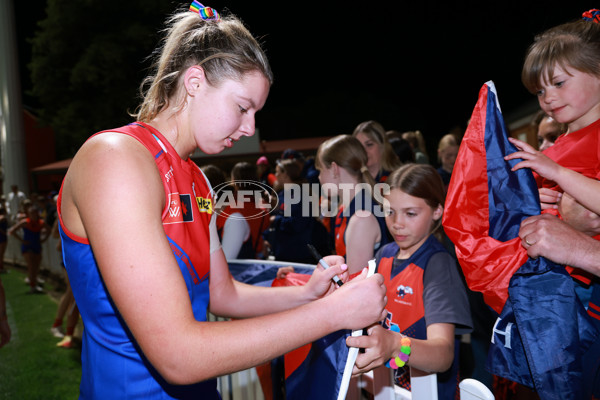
(592, 15)
(364, 169)
(206, 13)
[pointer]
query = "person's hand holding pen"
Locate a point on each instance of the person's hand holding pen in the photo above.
(321, 282)
(323, 263)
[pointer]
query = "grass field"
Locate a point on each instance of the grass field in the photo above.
(31, 366)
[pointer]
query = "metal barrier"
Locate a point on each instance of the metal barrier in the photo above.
(242, 385)
(245, 385)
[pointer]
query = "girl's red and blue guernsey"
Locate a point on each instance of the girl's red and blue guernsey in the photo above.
(406, 308)
(578, 151)
(113, 365)
(362, 201)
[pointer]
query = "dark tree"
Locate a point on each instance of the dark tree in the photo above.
(88, 60)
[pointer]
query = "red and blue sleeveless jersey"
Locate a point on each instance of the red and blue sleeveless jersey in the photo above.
(362, 201)
(113, 364)
(32, 236)
(32, 230)
(33, 225)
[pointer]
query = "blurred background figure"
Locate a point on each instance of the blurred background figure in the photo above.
(290, 230)
(401, 147)
(548, 129)
(34, 232)
(67, 307)
(3, 237)
(308, 172)
(263, 171)
(240, 220)
(417, 142)
(381, 157)
(447, 152)
(14, 200)
(215, 175)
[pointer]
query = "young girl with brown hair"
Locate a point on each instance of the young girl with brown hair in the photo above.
(427, 301)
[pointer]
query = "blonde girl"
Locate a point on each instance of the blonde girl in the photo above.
(381, 158)
(139, 235)
(345, 178)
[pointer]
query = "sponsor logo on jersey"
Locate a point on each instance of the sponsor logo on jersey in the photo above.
(180, 209)
(170, 173)
(387, 321)
(402, 291)
(204, 205)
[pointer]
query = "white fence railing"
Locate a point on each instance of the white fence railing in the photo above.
(51, 258)
(242, 385)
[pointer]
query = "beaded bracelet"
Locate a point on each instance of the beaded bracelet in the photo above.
(402, 358)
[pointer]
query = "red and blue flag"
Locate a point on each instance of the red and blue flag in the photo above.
(543, 337)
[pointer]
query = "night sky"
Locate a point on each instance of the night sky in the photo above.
(409, 65)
